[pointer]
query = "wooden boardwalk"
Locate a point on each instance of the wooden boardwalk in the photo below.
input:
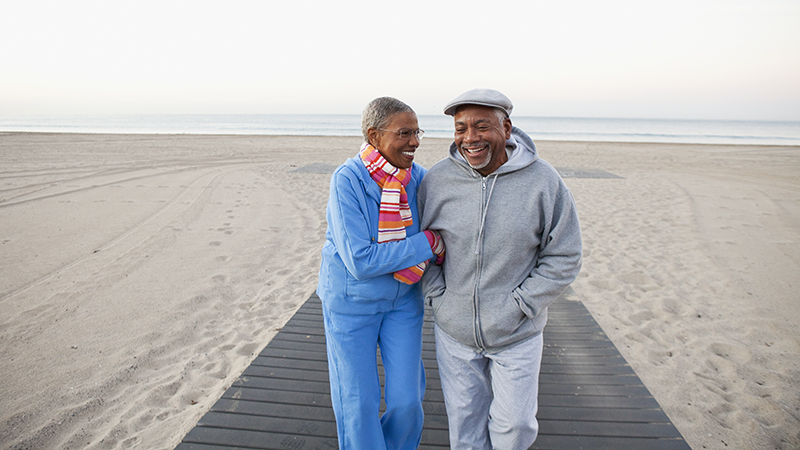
(589, 397)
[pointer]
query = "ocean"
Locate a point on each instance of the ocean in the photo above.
(539, 128)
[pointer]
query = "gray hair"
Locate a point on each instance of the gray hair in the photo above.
(501, 114)
(378, 113)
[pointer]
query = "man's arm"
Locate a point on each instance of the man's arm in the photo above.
(559, 260)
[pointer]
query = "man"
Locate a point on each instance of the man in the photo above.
(513, 246)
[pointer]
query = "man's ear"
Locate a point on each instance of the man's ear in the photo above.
(507, 128)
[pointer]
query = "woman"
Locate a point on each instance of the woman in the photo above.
(373, 256)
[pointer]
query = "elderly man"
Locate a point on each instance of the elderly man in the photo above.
(514, 245)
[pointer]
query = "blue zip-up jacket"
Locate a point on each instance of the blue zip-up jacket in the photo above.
(356, 276)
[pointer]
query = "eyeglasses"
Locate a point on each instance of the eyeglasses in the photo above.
(406, 134)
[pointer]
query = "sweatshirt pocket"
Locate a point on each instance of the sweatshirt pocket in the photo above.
(437, 302)
(453, 313)
(382, 287)
(501, 318)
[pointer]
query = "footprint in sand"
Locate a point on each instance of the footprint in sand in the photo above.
(642, 317)
(726, 414)
(730, 352)
(215, 243)
(220, 278)
(637, 278)
(604, 284)
(216, 369)
(247, 349)
(223, 258)
(131, 442)
(672, 306)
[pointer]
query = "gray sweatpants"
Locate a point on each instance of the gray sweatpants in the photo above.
(491, 399)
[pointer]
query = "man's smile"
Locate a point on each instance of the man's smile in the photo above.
(474, 150)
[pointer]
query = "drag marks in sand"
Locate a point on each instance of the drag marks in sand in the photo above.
(146, 303)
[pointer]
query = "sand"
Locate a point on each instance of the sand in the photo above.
(142, 273)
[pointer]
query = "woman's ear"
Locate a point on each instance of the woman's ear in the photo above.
(372, 134)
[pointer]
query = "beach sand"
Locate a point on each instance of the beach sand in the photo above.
(142, 273)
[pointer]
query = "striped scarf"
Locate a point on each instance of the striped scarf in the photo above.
(394, 215)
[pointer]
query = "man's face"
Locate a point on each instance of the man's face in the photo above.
(481, 136)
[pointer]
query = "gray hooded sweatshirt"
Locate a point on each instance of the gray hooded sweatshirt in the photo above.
(513, 245)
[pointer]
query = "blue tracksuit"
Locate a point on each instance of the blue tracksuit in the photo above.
(365, 308)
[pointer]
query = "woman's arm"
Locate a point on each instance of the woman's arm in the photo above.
(350, 223)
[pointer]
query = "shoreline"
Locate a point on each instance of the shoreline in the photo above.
(322, 136)
(144, 272)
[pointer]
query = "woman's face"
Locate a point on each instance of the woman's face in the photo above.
(398, 151)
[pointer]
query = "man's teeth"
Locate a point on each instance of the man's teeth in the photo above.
(408, 153)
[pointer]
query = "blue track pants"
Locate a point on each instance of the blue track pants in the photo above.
(352, 342)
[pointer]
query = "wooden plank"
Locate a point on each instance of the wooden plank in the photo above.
(600, 402)
(247, 393)
(589, 397)
(250, 420)
(223, 438)
(290, 352)
(579, 414)
(289, 363)
(286, 373)
(606, 390)
(608, 429)
(294, 385)
(555, 442)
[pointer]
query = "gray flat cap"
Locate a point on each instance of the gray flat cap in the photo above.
(483, 97)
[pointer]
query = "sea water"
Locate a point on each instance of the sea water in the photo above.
(539, 128)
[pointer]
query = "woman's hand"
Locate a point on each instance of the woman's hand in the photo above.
(437, 245)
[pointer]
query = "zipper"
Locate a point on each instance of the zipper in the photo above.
(485, 199)
(478, 264)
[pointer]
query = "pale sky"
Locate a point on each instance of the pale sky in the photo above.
(694, 59)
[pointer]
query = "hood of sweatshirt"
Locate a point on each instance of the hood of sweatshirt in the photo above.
(520, 149)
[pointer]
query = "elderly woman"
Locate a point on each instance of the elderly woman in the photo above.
(374, 254)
